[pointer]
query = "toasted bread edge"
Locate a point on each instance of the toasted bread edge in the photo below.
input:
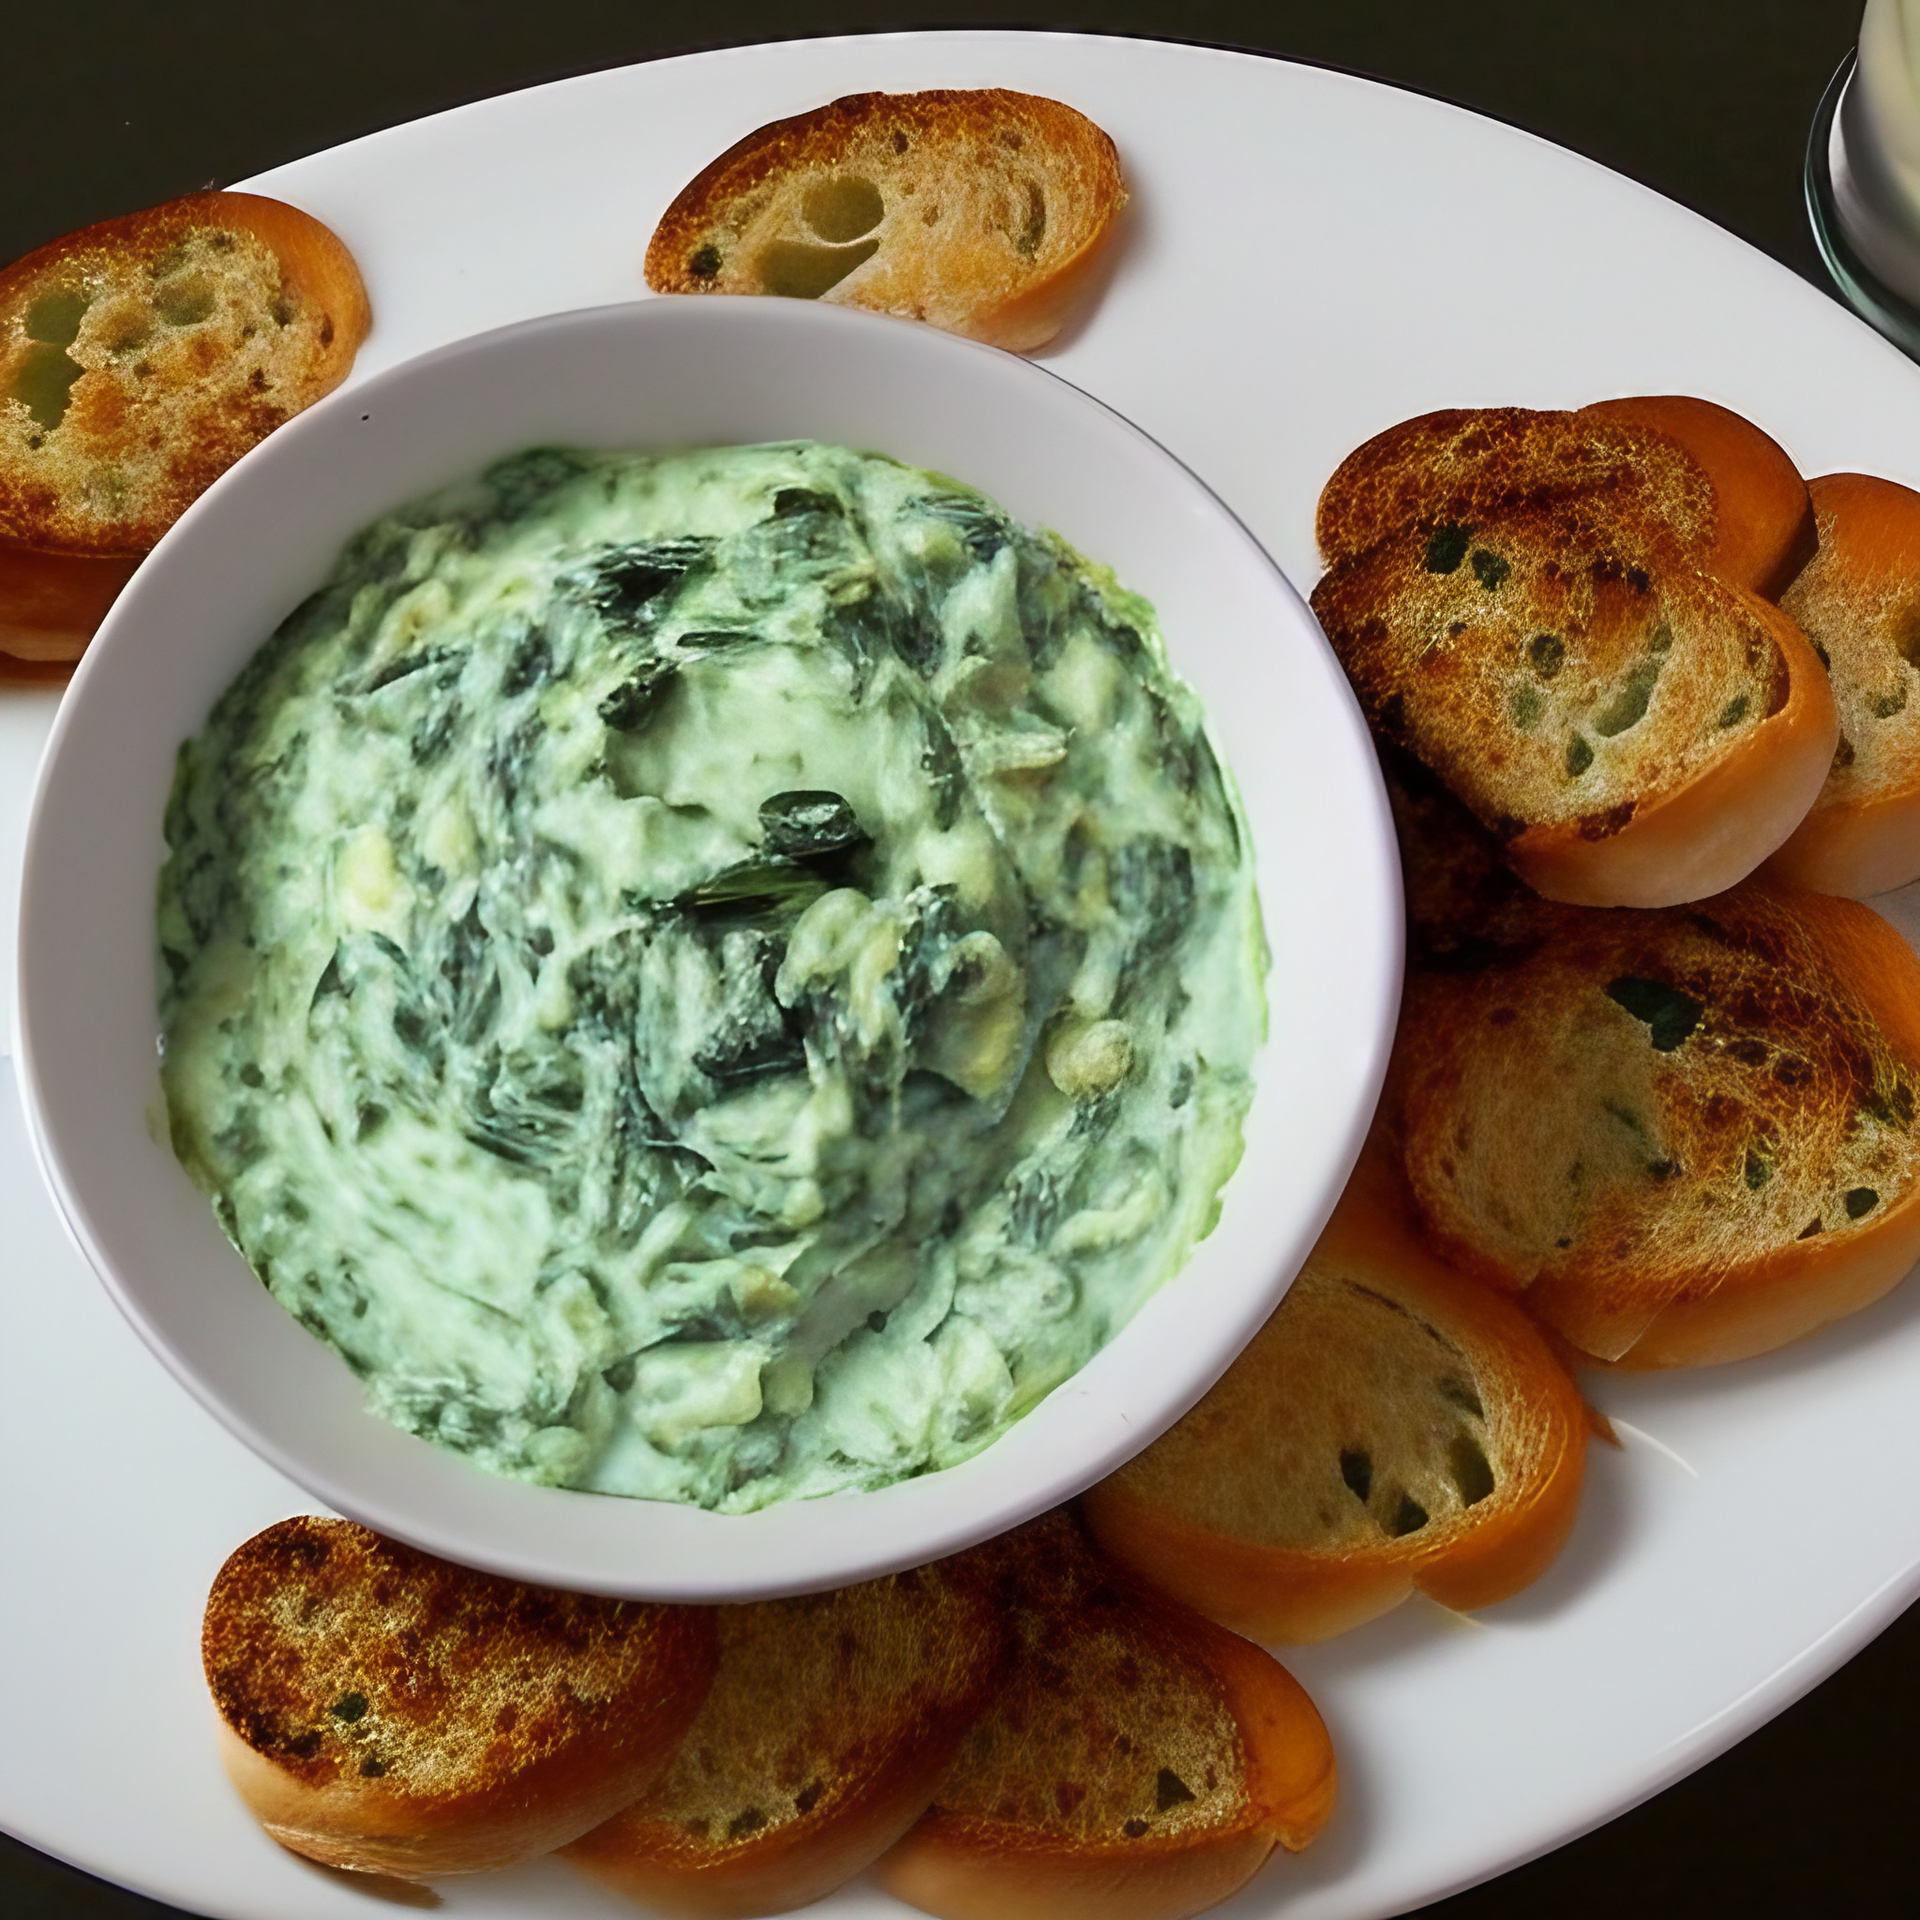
(51, 604)
(1801, 1288)
(796, 1865)
(363, 1828)
(1764, 521)
(1291, 1783)
(1279, 1596)
(311, 256)
(1852, 848)
(1783, 1299)
(941, 1873)
(1292, 1775)
(1713, 832)
(1294, 1595)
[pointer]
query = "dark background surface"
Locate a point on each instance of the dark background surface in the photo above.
(116, 104)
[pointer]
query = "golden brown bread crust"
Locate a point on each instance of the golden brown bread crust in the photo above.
(34, 673)
(981, 211)
(51, 603)
(1855, 848)
(828, 1727)
(1764, 529)
(1686, 1136)
(141, 357)
(1563, 616)
(1784, 1298)
(1463, 466)
(1634, 731)
(390, 1713)
(1859, 602)
(1710, 832)
(1394, 1427)
(939, 1872)
(1139, 1761)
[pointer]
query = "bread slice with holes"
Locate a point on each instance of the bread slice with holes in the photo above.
(1682, 1137)
(1634, 731)
(1859, 603)
(390, 1713)
(981, 211)
(828, 1727)
(1395, 1427)
(1137, 1763)
(138, 360)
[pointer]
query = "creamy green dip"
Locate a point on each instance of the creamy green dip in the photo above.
(718, 976)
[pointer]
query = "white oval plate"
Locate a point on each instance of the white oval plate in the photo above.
(1305, 248)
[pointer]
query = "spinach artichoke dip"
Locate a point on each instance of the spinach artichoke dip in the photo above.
(717, 976)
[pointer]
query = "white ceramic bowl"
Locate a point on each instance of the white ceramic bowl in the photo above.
(677, 373)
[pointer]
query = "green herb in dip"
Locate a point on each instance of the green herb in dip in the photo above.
(719, 976)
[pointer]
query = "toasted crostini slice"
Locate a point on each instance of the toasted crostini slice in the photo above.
(1859, 603)
(1463, 466)
(830, 1722)
(1394, 1427)
(1137, 1763)
(1685, 1136)
(138, 360)
(981, 211)
(390, 1713)
(1633, 731)
(1764, 529)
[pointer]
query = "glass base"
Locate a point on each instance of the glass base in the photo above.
(1870, 297)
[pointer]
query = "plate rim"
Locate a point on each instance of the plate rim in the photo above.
(1808, 1665)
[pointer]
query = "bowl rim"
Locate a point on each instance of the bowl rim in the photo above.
(900, 1524)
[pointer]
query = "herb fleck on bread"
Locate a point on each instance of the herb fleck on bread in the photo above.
(983, 212)
(1463, 466)
(387, 1712)
(1691, 475)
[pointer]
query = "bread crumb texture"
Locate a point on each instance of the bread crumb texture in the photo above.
(140, 358)
(1351, 1420)
(1110, 1728)
(969, 209)
(1646, 1106)
(816, 1698)
(1858, 600)
(1524, 601)
(339, 1655)
(1553, 667)
(1465, 465)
